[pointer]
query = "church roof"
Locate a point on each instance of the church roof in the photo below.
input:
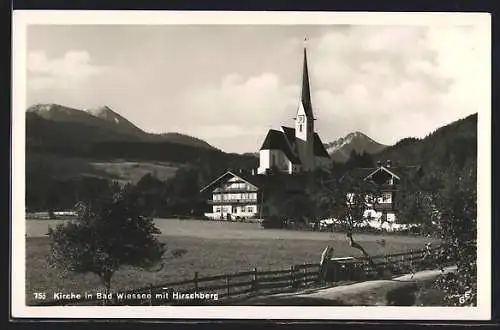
(277, 140)
(319, 147)
(289, 133)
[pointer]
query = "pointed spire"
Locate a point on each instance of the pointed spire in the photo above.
(306, 90)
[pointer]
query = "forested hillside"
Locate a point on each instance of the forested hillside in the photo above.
(455, 143)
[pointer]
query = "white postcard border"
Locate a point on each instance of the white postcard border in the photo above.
(21, 19)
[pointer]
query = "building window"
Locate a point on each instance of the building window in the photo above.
(300, 128)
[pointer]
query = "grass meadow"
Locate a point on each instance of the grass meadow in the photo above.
(212, 248)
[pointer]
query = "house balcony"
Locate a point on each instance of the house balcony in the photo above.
(232, 201)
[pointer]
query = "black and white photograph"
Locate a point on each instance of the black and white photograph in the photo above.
(219, 163)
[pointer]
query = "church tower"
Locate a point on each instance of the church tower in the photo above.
(304, 122)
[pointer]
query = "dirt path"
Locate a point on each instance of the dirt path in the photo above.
(369, 293)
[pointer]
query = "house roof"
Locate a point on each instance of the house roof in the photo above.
(274, 181)
(397, 171)
(251, 179)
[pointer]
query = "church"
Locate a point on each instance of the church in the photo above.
(298, 149)
(283, 156)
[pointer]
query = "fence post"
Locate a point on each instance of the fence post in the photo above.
(305, 274)
(255, 283)
(292, 276)
(227, 285)
(150, 294)
(195, 281)
(318, 278)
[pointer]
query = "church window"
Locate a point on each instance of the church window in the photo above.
(300, 128)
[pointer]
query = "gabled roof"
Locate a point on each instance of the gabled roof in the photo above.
(277, 181)
(289, 133)
(251, 179)
(319, 147)
(395, 171)
(276, 140)
(384, 169)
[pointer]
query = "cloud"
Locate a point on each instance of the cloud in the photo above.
(72, 69)
(389, 82)
(255, 102)
(75, 80)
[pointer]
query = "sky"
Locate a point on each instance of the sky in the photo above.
(230, 84)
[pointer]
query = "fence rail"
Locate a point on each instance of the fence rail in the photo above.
(261, 281)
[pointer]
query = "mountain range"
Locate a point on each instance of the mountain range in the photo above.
(103, 124)
(103, 134)
(49, 122)
(66, 147)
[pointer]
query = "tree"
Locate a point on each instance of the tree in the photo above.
(107, 235)
(449, 200)
(347, 201)
(151, 189)
(457, 218)
(280, 206)
(414, 199)
(362, 159)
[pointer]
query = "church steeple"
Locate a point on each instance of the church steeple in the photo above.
(304, 122)
(306, 89)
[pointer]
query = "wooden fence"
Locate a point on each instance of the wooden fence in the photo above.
(239, 285)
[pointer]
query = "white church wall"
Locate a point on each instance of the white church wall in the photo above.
(264, 159)
(272, 158)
